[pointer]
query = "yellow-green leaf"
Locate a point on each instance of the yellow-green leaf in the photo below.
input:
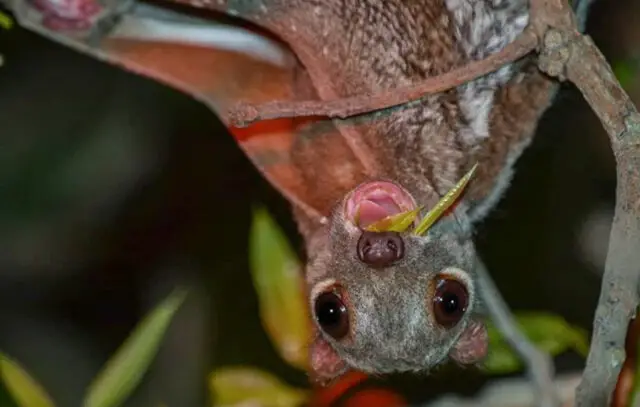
(126, 368)
(445, 203)
(23, 388)
(551, 333)
(6, 22)
(246, 386)
(278, 280)
(395, 223)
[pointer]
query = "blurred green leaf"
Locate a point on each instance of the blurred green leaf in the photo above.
(6, 22)
(626, 71)
(278, 280)
(23, 388)
(244, 386)
(6, 400)
(549, 332)
(126, 368)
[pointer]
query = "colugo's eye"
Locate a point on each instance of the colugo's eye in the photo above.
(332, 315)
(450, 301)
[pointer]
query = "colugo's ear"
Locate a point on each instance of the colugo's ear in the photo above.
(472, 346)
(326, 364)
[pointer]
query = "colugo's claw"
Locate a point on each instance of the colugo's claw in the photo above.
(445, 203)
(395, 223)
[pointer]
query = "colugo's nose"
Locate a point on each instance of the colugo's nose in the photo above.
(380, 249)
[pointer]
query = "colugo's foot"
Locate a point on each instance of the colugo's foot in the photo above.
(68, 15)
(80, 20)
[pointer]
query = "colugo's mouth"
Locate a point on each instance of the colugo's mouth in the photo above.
(376, 200)
(380, 206)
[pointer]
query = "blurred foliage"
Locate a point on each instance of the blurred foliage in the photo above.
(121, 374)
(548, 332)
(24, 389)
(626, 71)
(236, 386)
(6, 22)
(124, 371)
(277, 277)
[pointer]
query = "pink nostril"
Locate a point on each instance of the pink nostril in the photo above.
(380, 249)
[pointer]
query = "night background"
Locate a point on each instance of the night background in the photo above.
(114, 189)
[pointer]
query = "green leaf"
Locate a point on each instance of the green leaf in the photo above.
(551, 333)
(6, 22)
(278, 280)
(395, 223)
(126, 368)
(445, 203)
(23, 388)
(244, 386)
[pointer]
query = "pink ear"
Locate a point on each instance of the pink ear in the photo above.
(326, 364)
(473, 344)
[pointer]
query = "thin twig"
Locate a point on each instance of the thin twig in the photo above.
(243, 114)
(539, 365)
(581, 9)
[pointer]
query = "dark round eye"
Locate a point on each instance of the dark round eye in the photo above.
(450, 302)
(332, 315)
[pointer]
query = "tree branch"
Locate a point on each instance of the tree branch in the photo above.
(568, 54)
(244, 114)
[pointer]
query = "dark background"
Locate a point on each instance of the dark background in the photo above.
(113, 189)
